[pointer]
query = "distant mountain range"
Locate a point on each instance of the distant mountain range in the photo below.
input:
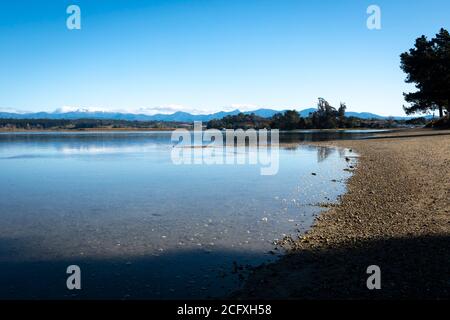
(178, 116)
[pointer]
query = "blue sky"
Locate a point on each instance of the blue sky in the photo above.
(209, 55)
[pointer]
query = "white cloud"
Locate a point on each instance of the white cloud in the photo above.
(162, 109)
(65, 109)
(167, 109)
(9, 110)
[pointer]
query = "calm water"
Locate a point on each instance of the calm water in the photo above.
(139, 225)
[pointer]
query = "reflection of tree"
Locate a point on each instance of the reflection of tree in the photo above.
(341, 152)
(292, 147)
(292, 137)
(323, 153)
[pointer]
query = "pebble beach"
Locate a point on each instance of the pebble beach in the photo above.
(395, 214)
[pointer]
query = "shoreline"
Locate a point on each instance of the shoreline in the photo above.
(89, 130)
(395, 214)
(2, 130)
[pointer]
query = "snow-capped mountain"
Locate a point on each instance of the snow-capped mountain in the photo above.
(138, 115)
(156, 114)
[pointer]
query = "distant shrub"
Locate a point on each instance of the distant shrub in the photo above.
(442, 123)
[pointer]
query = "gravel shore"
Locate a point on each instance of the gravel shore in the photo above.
(396, 215)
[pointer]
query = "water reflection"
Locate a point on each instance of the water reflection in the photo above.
(323, 153)
(104, 197)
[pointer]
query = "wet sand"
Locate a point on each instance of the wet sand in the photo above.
(396, 214)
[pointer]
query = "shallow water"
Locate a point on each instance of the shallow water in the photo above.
(141, 226)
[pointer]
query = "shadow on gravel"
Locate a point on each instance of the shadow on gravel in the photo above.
(410, 268)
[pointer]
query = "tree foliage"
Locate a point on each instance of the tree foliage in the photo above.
(80, 124)
(239, 121)
(427, 65)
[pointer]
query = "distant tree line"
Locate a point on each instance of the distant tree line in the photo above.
(325, 117)
(81, 124)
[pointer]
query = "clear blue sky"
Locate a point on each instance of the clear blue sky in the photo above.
(209, 55)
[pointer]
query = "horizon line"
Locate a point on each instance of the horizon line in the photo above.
(149, 111)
